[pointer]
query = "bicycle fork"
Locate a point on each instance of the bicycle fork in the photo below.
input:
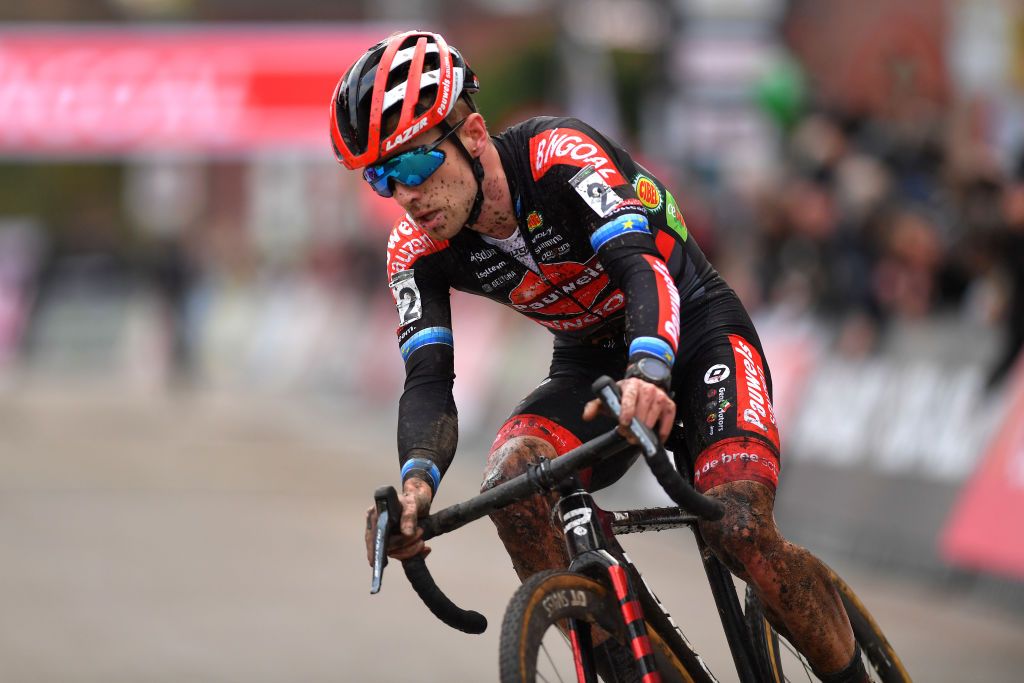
(587, 545)
(727, 602)
(583, 524)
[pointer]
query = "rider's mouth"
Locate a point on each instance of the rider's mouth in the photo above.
(428, 218)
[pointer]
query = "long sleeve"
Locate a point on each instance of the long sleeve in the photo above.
(427, 416)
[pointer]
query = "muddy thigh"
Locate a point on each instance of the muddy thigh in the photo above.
(526, 528)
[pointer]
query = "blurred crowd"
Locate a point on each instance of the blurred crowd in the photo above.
(869, 220)
(862, 220)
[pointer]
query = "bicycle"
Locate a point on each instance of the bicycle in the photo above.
(613, 627)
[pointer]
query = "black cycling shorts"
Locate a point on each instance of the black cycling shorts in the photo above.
(722, 389)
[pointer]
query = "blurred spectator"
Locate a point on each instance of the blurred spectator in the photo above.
(1008, 250)
(173, 272)
(21, 246)
(905, 276)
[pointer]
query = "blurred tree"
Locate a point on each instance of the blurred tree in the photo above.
(512, 81)
(59, 195)
(636, 77)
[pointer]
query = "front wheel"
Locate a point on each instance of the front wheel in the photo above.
(555, 614)
(786, 664)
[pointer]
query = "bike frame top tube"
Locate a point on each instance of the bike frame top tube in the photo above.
(650, 519)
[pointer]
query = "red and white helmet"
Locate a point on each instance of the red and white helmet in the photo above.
(401, 87)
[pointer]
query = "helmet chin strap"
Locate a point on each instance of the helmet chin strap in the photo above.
(478, 173)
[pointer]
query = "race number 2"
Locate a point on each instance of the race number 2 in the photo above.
(407, 297)
(595, 191)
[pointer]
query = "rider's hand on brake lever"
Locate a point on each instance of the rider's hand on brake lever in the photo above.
(647, 402)
(415, 499)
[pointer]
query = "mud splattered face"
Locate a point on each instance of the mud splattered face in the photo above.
(441, 204)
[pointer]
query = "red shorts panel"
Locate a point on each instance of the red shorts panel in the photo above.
(736, 459)
(539, 426)
(542, 428)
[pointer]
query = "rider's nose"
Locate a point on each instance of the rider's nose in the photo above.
(404, 194)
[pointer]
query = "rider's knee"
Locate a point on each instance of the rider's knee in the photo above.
(513, 457)
(746, 535)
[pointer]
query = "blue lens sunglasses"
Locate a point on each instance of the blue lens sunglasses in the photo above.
(410, 168)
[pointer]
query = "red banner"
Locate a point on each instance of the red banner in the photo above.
(985, 530)
(224, 89)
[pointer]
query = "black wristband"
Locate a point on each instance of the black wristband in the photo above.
(653, 370)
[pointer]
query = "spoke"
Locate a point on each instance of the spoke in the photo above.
(803, 662)
(551, 661)
(607, 657)
(808, 673)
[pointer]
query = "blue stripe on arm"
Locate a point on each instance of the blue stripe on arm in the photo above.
(626, 223)
(430, 335)
(653, 346)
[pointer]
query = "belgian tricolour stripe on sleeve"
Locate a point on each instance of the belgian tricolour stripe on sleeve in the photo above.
(430, 335)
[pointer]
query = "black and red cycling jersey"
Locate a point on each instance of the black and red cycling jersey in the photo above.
(605, 259)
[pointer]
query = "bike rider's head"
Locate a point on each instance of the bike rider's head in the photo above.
(397, 112)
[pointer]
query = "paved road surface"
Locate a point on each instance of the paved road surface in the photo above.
(218, 538)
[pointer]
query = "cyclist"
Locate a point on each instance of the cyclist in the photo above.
(552, 218)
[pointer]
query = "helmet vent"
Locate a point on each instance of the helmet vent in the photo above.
(366, 111)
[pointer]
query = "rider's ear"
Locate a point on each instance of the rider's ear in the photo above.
(474, 133)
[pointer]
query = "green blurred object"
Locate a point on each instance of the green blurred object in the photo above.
(72, 200)
(637, 75)
(781, 92)
(512, 81)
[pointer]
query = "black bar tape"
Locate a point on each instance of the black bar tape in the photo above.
(680, 491)
(438, 603)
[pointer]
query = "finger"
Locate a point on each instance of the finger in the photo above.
(409, 515)
(399, 543)
(659, 404)
(592, 409)
(668, 416)
(407, 553)
(371, 532)
(627, 434)
(403, 544)
(647, 409)
(628, 403)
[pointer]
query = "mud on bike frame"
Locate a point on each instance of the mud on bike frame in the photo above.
(587, 529)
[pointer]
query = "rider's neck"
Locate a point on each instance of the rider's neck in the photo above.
(497, 217)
